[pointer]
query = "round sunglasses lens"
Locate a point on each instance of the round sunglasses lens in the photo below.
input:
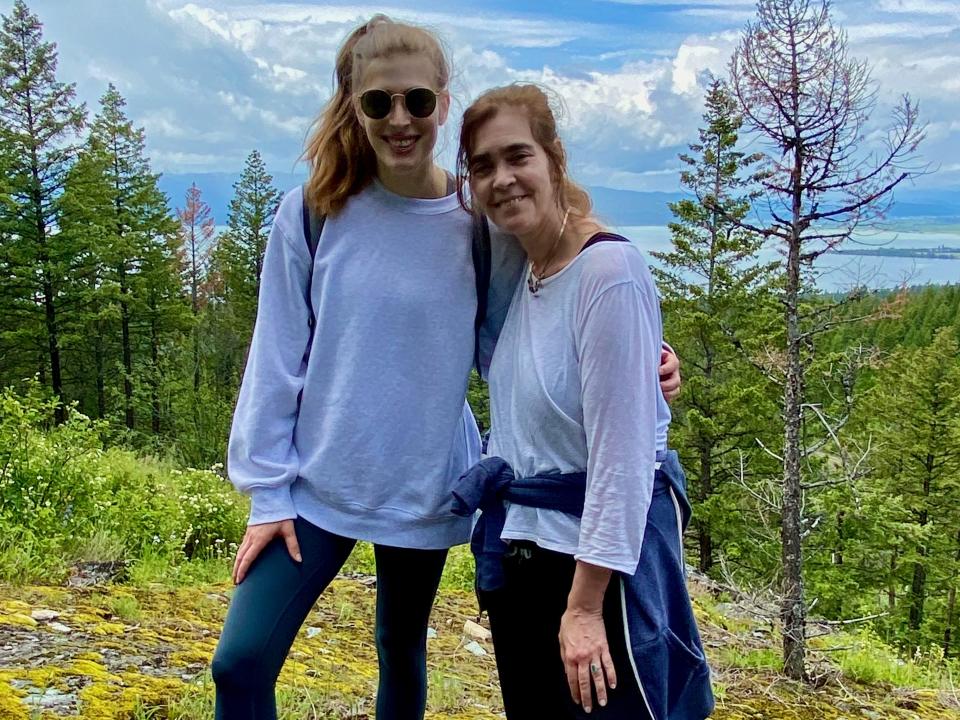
(375, 104)
(421, 102)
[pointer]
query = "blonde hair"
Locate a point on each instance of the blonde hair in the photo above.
(340, 157)
(543, 126)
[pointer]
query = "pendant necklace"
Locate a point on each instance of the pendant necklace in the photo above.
(535, 279)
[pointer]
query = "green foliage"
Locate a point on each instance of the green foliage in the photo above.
(868, 659)
(39, 124)
(715, 303)
(62, 496)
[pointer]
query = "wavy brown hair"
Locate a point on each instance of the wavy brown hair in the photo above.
(543, 126)
(340, 157)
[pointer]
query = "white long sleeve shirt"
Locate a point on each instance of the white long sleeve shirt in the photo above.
(574, 386)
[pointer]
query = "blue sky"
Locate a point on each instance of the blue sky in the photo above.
(212, 79)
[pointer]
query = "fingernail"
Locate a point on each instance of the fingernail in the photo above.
(613, 686)
(298, 558)
(603, 702)
(586, 708)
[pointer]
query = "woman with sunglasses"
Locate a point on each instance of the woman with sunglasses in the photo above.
(359, 433)
(579, 546)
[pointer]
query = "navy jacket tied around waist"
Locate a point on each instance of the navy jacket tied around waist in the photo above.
(666, 653)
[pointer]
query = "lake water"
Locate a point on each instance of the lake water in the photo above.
(841, 272)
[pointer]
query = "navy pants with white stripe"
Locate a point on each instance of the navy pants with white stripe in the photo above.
(525, 619)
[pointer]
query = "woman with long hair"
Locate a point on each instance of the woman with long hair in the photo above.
(351, 422)
(579, 547)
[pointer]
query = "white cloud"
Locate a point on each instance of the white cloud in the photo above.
(187, 160)
(244, 108)
(920, 7)
(905, 30)
(211, 79)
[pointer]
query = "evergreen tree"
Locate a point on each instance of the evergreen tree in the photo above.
(235, 270)
(242, 248)
(710, 283)
(114, 200)
(86, 221)
(139, 215)
(39, 123)
(167, 319)
(914, 493)
(808, 100)
(196, 246)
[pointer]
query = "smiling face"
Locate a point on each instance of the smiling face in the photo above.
(403, 143)
(510, 175)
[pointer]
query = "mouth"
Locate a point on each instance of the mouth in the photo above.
(401, 143)
(510, 202)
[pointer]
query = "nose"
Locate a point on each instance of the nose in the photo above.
(502, 176)
(398, 111)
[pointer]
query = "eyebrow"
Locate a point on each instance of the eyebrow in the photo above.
(515, 147)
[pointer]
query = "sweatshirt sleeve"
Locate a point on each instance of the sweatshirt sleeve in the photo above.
(619, 348)
(262, 458)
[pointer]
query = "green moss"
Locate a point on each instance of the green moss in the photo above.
(11, 707)
(17, 619)
(333, 674)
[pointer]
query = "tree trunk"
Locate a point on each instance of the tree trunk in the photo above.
(53, 347)
(793, 608)
(892, 586)
(48, 290)
(918, 591)
(951, 607)
(154, 370)
(951, 611)
(703, 525)
(918, 585)
(127, 351)
(101, 373)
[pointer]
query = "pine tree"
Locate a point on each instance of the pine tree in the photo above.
(167, 319)
(808, 101)
(710, 283)
(39, 123)
(196, 246)
(139, 214)
(86, 220)
(114, 200)
(250, 218)
(915, 490)
(235, 269)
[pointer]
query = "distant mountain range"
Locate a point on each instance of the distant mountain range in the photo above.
(616, 207)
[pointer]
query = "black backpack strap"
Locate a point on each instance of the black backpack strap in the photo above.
(312, 227)
(480, 250)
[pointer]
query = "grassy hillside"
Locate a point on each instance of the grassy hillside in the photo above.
(142, 651)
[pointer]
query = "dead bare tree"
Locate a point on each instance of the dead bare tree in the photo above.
(810, 102)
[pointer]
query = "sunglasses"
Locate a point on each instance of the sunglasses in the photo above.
(377, 104)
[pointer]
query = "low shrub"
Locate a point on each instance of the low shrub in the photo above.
(64, 498)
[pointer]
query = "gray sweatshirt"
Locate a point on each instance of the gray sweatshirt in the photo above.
(366, 437)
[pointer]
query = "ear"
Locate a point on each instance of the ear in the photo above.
(443, 102)
(357, 112)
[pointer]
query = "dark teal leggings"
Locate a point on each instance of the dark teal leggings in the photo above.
(271, 603)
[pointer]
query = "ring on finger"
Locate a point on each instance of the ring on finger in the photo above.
(594, 668)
